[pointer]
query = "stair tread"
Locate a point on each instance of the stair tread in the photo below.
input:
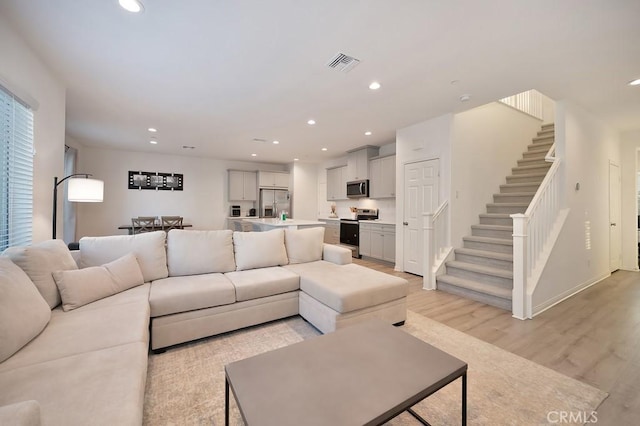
(482, 269)
(496, 227)
(545, 137)
(496, 215)
(485, 253)
(524, 175)
(489, 240)
(516, 194)
(508, 204)
(490, 289)
(531, 166)
(516, 184)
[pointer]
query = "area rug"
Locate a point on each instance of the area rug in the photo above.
(185, 385)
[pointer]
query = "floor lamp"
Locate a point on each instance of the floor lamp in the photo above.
(83, 190)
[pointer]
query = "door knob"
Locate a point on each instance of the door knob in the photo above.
(613, 224)
(405, 223)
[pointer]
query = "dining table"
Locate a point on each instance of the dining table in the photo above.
(131, 228)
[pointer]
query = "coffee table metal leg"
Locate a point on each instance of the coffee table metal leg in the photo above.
(226, 401)
(418, 417)
(464, 399)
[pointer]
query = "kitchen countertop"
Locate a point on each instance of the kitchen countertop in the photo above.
(242, 217)
(376, 221)
(282, 223)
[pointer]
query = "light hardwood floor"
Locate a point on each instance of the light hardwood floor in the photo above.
(593, 337)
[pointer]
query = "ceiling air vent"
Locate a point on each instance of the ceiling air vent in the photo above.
(342, 62)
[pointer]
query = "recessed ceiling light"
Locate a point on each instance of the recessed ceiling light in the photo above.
(311, 122)
(153, 142)
(635, 82)
(276, 142)
(254, 155)
(296, 159)
(465, 98)
(133, 6)
(152, 129)
(374, 86)
(367, 133)
(324, 149)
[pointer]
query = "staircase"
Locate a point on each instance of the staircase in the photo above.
(483, 267)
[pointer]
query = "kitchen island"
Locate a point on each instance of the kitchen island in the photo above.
(267, 224)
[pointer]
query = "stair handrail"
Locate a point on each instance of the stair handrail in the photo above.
(435, 242)
(531, 231)
(550, 156)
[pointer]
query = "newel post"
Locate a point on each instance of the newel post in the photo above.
(519, 295)
(428, 283)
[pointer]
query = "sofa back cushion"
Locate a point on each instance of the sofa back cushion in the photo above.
(304, 245)
(39, 261)
(199, 252)
(82, 286)
(23, 311)
(259, 249)
(148, 248)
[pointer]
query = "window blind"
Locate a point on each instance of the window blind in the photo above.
(16, 173)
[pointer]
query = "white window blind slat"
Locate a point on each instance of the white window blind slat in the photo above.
(16, 171)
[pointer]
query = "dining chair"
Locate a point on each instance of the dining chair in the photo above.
(171, 222)
(142, 224)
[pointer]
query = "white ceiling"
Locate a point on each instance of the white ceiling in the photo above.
(215, 74)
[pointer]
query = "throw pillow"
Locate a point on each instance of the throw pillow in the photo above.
(82, 286)
(304, 245)
(149, 249)
(39, 261)
(259, 249)
(199, 252)
(23, 311)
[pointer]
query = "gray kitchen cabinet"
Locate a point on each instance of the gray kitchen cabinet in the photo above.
(242, 186)
(378, 241)
(383, 177)
(337, 183)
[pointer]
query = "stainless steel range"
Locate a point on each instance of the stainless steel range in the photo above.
(350, 230)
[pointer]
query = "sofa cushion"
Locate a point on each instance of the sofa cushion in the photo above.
(346, 288)
(25, 413)
(304, 245)
(182, 294)
(148, 248)
(23, 311)
(82, 286)
(104, 387)
(259, 249)
(80, 331)
(39, 261)
(256, 283)
(199, 252)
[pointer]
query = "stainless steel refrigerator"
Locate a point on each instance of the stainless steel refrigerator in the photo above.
(273, 202)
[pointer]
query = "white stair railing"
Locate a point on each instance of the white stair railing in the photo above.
(531, 234)
(530, 102)
(436, 243)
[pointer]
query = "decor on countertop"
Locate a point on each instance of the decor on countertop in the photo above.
(155, 180)
(333, 210)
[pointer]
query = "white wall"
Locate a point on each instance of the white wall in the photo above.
(22, 72)
(305, 190)
(486, 143)
(203, 202)
(630, 144)
(581, 254)
(423, 141)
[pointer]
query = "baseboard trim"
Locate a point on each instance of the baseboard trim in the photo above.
(567, 294)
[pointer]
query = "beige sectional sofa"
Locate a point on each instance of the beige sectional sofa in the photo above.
(78, 339)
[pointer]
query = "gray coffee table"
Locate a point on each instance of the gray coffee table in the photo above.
(365, 374)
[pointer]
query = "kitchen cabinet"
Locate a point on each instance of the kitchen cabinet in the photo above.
(378, 241)
(331, 231)
(358, 162)
(382, 177)
(242, 186)
(273, 179)
(337, 183)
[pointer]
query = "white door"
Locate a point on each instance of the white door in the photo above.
(420, 196)
(615, 230)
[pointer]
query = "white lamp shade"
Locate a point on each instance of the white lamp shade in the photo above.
(85, 190)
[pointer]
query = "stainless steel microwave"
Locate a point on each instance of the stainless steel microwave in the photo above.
(358, 188)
